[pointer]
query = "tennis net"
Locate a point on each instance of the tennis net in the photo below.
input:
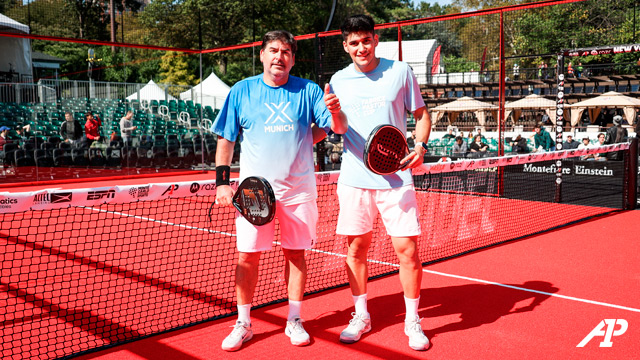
(87, 268)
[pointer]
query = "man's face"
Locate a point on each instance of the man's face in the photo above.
(68, 117)
(585, 141)
(569, 139)
(129, 116)
(277, 59)
(601, 139)
(537, 130)
(361, 47)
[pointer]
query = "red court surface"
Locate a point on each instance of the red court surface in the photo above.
(536, 298)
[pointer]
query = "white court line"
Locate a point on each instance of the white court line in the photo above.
(494, 283)
(397, 266)
(158, 221)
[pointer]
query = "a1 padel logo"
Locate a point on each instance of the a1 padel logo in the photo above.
(608, 333)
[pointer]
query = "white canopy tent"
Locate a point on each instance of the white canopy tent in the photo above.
(151, 91)
(417, 53)
(610, 99)
(211, 91)
(16, 52)
(531, 102)
(462, 105)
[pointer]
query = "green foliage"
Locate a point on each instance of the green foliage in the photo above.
(458, 64)
(210, 24)
(174, 69)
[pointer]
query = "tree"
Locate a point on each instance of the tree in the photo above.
(174, 69)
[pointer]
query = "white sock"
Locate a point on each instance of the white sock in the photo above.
(294, 309)
(360, 302)
(412, 308)
(244, 313)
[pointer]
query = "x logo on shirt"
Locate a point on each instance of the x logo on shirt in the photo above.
(280, 111)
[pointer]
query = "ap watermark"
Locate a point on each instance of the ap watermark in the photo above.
(611, 331)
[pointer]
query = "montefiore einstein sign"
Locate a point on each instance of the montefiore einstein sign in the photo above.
(595, 169)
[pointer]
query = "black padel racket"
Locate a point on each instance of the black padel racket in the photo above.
(385, 148)
(254, 199)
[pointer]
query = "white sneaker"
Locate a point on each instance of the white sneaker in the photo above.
(240, 334)
(417, 339)
(357, 326)
(296, 332)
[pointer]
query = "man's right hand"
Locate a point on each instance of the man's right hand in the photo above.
(224, 195)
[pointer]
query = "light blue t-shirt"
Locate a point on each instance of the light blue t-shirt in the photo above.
(274, 129)
(382, 96)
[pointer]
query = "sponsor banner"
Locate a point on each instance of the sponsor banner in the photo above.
(59, 198)
(327, 178)
(603, 50)
(483, 163)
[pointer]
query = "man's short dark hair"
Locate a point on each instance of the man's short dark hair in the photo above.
(458, 138)
(68, 112)
(281, 35)
(357, 24)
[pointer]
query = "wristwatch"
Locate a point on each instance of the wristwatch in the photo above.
(424, 146)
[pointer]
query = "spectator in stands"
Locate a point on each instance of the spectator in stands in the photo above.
(477, 146)
(570, 143)
(599, 156)
(449, 135)
(4, 133)
(23, 132)
(542, 139)
(411, 140)
(586, 144)
(519, 145)
(540, 70)
(459, 147)
(127, 128)
(579, 69)
(616, 134)
(70, 129)
(480, 134)
(545, 119)
(516, 71)
(570, 70)
(92, 128)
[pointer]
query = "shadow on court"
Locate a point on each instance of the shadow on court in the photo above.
(476, 305)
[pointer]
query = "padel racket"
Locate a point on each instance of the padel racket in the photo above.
(385, 148)
(255, 200)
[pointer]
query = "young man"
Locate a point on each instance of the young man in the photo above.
(92, 128)
(374, 91)
(543, 140)
(273, 114)
(70, 129)
(127, 128)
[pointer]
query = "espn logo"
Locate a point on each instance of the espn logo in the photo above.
(101, 194)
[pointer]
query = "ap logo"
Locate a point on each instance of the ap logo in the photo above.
(598, 331)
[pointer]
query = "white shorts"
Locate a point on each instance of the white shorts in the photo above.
(359, 207)
(297, 229)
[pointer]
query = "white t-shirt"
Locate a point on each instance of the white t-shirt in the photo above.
(382, 96)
